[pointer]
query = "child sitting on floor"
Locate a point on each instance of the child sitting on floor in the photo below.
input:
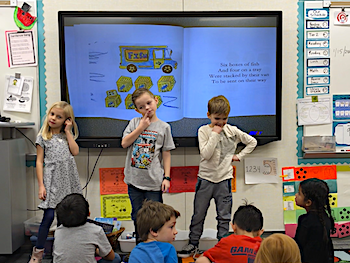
(243, 245)
(77, 240)
(156, 227)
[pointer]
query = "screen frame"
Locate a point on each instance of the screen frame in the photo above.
(115, 142)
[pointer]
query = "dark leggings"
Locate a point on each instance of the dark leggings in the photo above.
(49, 215)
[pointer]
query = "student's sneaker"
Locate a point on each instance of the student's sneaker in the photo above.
(187, 251)
(197, 253)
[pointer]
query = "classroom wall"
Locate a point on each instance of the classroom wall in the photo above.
(8, 24)
(268, 197)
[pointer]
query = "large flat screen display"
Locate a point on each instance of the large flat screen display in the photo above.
(184, 58)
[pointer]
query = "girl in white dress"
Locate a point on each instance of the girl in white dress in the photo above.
(55, 166)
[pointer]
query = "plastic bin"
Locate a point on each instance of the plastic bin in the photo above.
(208, 239)
(31, 226)
(126, 245)
(318, 144)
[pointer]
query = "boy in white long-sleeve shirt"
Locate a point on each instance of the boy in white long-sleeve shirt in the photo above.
(217, 145)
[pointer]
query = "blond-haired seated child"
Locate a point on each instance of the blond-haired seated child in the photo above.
(278, 248)
(156, 228)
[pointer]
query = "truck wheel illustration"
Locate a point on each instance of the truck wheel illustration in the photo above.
(131, 68)
(167, 69)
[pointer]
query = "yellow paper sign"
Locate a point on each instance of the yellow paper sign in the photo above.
(118, 206)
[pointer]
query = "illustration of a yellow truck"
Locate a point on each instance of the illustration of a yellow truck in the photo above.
(146, 57)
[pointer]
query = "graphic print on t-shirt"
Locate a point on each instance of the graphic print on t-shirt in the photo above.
(248, 252)
(143, 149)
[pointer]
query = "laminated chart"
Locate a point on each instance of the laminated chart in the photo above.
(118, 206)
(317, 51)
(183, 179)
(292, 177)
(112, 181)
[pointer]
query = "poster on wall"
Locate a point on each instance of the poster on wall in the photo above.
(117, 205)
(20, 49)
(261, 170)
(341, 122)
(312, 113)
(16, 98)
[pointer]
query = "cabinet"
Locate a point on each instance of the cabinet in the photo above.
(13, 195)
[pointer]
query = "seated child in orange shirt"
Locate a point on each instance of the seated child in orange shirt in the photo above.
(241, 246)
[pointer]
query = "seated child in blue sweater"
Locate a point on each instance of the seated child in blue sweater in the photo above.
(156, 227)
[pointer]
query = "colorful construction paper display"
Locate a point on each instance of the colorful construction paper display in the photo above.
(292, 176)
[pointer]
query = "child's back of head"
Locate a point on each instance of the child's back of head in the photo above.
(278, 248)
(248, 218)
(152, 216)
(73, 210)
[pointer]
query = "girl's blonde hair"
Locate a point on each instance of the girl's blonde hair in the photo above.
(45, 130)
(278, 248)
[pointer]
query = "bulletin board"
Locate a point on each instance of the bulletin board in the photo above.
(333, 52)
(8, 24)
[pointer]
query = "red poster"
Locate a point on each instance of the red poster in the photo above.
(112, 181)
(183, 179)
(325, 172)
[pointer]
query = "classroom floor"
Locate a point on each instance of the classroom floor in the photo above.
(22, 255)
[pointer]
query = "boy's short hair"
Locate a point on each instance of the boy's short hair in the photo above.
(152, 216)
(73, 210)
(248, 218)
(138, 92)
(219, 105)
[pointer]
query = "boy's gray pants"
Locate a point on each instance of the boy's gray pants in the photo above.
(205, 191)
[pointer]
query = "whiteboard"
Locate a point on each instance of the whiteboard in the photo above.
(340, 55)
(339, 46)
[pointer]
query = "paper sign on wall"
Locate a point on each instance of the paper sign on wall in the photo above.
(112, 181)
(118, 206)
(260, 170)
(183, 179)
(325, 172)
(311, 113)
(20, 49)
(21, 102)
(341, 18)
(233, 182)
